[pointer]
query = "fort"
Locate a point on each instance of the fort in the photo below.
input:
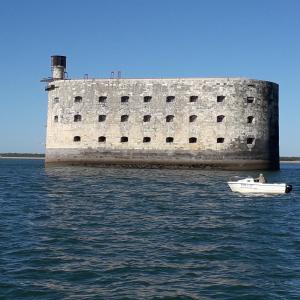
(218, 123)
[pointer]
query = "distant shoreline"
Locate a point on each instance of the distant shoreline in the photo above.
(22, 157)
(42, 158)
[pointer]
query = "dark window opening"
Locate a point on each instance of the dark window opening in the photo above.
(147, 118)
(147, 98)
(169, 118)
(77, 118)
(220, 140)
(250, 119)
(169, 139)
(102, 118)
(193, 98)
(146, 139)
(250, 99)
(101, 139)
(170, 98)
(102, 99)
(55, 119)
(220, 98)
(251, 85)
(77, 138)
(78, 99)
(56, 100)
(220, 118)
(124, 139)
(250, 141)
(193, 118)
(124, 118)
(124, 99)
(192, 140)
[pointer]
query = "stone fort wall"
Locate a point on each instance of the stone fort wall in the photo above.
(197, 122)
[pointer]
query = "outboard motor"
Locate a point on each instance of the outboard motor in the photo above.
(288, 188)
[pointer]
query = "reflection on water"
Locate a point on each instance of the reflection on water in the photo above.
(79, 232)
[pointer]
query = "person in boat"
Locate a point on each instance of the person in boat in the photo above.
(260, 179)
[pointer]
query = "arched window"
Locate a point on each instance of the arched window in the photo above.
(170, 98)
(169, 139)
(77, 118)
(220, 118)
(55, 119)
(101, 118)
(250, 140)
(220, 140)
(77, 99)
(102, 99)
(77, 138)
(193, 118)
(146, 139)
(192, 140)
(193, 98)
(124, 139)
(147, 118)
(169, 118)
(124, 118)
(147, 98)
(250, 99)
(101, 139)
(124, 99)
(250, 119)
(220, 98)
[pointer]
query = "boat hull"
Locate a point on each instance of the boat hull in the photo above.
(259, 188)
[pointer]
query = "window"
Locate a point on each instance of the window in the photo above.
(169, 118)
(251, 85)
(220, 140)
(147, 118)
(102, 99)
(193, 98)
(250, 99)
(55, 119)
(169, 139)
(220, 98)
(77, 138)
(101, 139)
(192, 140)
(147, 98)
(146, 139)
(124, 139)
(250, 141)
(102, 118)
(170, 98)
(124, 118)
(124, 99)
(250, 119)
(220, 118)
(77, 99)
(193, 118)
(77, 118)
(56, 100)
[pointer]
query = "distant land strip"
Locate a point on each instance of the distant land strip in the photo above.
(42, 155)
(22, 155)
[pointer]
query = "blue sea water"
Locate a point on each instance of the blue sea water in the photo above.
(93, 233)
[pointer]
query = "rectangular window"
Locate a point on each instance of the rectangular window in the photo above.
(220, 98)
(250, 99)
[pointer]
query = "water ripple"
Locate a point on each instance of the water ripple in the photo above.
(92, 233)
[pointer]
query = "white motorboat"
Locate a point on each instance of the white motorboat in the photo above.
(251, 186)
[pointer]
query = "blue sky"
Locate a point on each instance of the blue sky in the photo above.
(157, 38)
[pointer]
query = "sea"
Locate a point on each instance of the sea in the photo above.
(113, 233)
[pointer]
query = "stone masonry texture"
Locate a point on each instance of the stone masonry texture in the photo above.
(226, 123)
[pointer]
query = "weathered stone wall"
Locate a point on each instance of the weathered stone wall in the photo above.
(261, 134)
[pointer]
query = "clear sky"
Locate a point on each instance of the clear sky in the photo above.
(156, 38)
